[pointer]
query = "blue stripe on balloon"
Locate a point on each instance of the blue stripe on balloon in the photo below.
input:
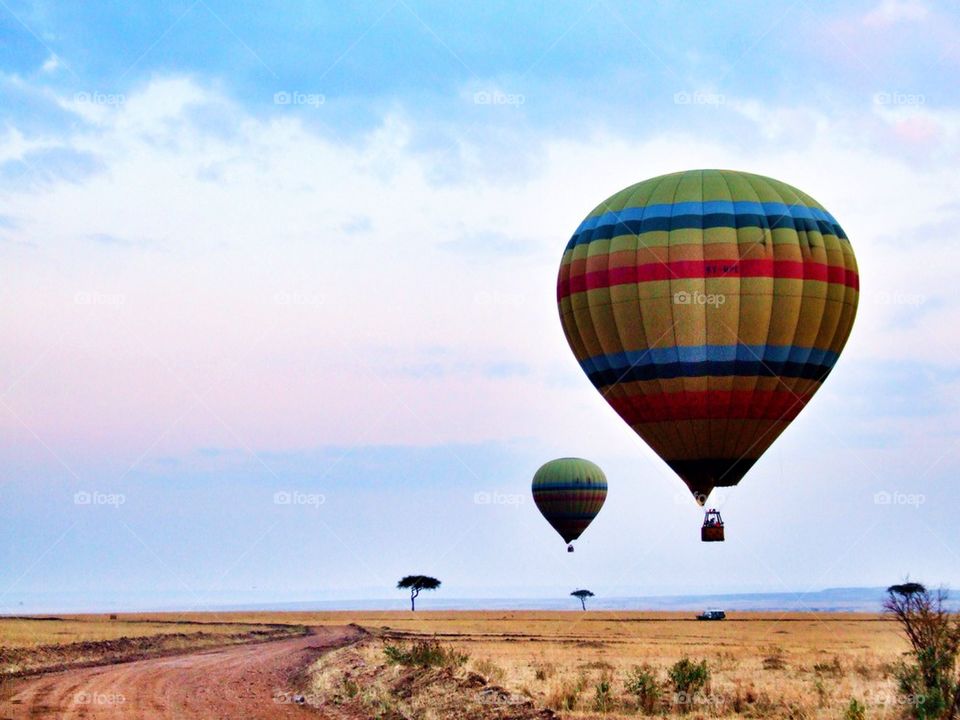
(702, 360)
(570, 486)
(705, 215)
(736, 368)
(710, 207)
(708, 353)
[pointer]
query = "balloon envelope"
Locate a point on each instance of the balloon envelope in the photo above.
(707, 307)
(569, 493)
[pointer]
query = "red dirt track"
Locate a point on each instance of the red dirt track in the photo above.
(241, 681)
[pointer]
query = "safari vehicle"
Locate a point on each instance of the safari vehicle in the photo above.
(712, 615)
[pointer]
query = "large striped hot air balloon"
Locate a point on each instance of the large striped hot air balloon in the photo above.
(707, 307)
(569, 493)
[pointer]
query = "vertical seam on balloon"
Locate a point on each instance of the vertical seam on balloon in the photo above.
(657, 432)
(778, 189)
(732, 449)
(582, 331)
(706, 315)
(851, 298)
(774, 187)
(736, 333)
(840, 324)
(616, 389)
(795, 384)
(679, 438)
(687, 424)
(621, 392)
(662, 433)
(814, 387)
(802, 240)
(797, 399)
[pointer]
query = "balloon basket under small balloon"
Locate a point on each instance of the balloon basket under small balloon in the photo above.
(569, 548)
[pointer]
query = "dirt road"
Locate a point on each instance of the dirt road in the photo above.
(245, 681)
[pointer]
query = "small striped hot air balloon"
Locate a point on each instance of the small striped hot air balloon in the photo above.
(707, 307)
(569, 493)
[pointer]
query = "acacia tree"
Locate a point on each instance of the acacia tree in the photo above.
(416, 583)
(930, 683)
(582, 595)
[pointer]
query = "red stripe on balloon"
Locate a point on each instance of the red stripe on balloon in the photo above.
(702, 269)
(780, 404)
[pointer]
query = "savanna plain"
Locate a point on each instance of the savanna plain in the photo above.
(515, 664)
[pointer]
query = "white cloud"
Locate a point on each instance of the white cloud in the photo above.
(51, 64)
(891, 12)
(246, 289)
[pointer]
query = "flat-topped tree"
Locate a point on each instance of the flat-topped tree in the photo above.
(929, 683)
(582, 595)
(416, 583)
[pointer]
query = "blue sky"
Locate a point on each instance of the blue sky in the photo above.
(311, 249)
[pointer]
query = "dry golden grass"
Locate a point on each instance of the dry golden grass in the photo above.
(761, 664)
(32, 632)
(30, 645)
(801, 665)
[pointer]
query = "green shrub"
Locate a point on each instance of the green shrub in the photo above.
(855, 711)
(925, 699)
(688, 679)
(424, 653)
(642, 683)
(350, 687)
(602, 699)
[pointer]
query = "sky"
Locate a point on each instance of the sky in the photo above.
(278, 316)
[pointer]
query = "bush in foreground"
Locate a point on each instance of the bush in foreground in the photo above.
(689, 679)
(424, 654)
(642, 683)
(603, 700)
(855, 711)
